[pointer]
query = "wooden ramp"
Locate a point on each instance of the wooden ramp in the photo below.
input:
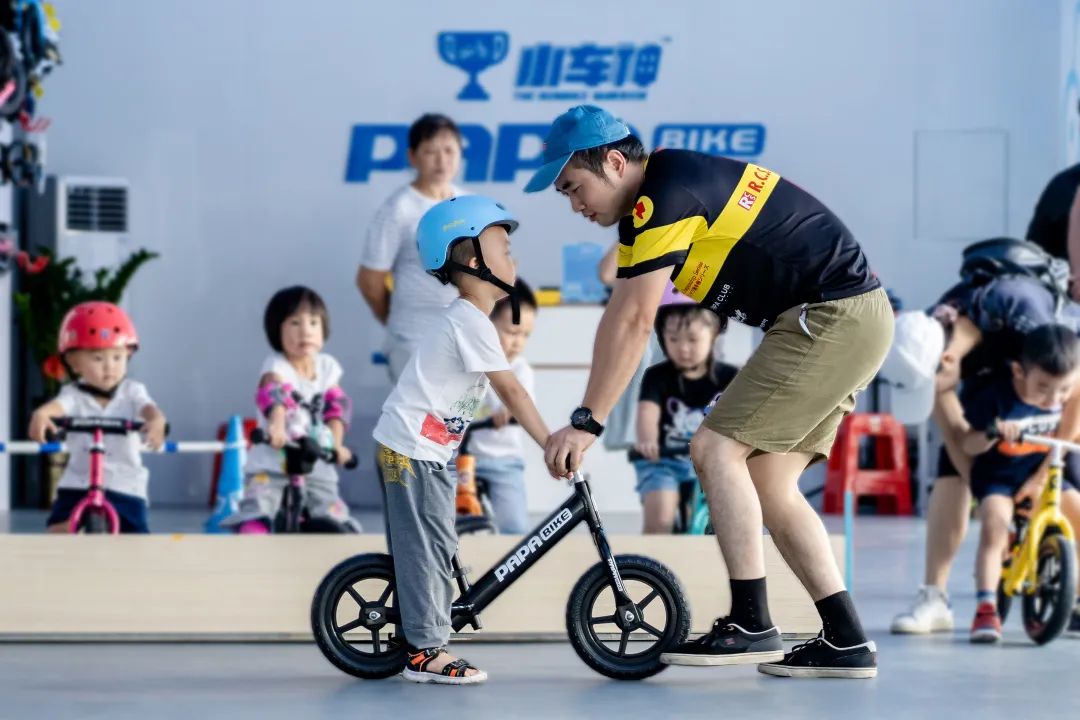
(259, 588)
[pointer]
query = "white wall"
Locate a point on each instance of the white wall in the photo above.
(232, 121)
(1069, 102)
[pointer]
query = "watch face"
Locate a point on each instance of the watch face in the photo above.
(580, 417)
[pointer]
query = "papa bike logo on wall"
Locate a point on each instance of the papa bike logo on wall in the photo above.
(587, 72)
(548, 71)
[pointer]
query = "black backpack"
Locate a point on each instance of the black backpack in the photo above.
(1003, 256)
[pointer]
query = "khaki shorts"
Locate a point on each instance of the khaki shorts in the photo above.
(802, 380)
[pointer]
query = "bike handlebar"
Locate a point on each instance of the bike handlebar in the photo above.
(259, 437)
(109, 426)
(1051, 442)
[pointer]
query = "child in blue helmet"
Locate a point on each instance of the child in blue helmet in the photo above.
(464, 242)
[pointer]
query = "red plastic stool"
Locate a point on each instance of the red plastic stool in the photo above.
(889, 481)
(249, 425)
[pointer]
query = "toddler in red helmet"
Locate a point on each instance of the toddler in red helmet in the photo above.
(96, 340)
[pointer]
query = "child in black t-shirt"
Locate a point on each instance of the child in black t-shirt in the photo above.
(674, 395)
(1006, 472)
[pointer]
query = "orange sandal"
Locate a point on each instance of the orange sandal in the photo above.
(452, 674)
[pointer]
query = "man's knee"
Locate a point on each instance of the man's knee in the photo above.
(709, 448)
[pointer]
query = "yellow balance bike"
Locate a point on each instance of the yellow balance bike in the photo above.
(1041, 563)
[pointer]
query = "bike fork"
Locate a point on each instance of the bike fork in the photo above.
(624, 606)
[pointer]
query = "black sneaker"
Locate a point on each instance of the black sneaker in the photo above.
(728, 644)
(819, 658)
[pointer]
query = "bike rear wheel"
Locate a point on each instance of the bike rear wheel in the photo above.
(1048, 608)
(354, 618)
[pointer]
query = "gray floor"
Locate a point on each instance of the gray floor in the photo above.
(920, 677)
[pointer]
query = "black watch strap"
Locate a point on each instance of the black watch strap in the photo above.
(582, 419)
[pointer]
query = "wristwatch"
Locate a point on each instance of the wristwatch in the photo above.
(582, 419)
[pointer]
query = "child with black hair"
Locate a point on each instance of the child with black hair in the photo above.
(673, 401)
(1006, 472)
(499, 451)
(299, 395)
(390, 249)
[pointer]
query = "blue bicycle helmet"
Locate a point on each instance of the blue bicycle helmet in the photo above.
(454, 220)
(457, 220)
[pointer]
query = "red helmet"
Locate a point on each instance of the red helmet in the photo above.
(96, 326)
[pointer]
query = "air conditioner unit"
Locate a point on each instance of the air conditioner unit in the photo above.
(81, 217)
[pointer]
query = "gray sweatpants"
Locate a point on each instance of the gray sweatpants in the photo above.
(419, 502)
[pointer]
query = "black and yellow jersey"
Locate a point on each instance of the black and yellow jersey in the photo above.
(743, 241)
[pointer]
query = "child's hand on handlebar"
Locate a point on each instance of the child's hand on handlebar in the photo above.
(344, 455)
(154, 431)
(275, 431)
(1008, 430)
(41, 427)
(501, 418)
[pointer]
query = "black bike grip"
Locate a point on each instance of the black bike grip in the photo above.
(257, 436)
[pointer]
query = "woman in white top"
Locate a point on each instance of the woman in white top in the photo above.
(435, 153)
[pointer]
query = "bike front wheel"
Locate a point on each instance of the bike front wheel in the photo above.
(625, 642)
(1048, 608)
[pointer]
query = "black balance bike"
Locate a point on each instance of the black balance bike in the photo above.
(622, 614)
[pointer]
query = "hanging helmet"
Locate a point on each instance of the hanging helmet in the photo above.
(454, 220)
(96, 326)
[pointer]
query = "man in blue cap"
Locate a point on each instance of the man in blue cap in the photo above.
(746, 244)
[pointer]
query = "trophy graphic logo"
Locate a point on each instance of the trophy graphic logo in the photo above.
(473, 52)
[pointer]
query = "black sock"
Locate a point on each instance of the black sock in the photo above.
(749, 606)
(839, 621)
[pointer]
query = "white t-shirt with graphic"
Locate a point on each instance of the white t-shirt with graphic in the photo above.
(509, 440)
(391, 247)
(124, 471)
(442, 386)
(298, 421)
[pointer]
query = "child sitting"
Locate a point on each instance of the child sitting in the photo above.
(674, 395)
(465, 242)
(1007, 472)
(498, 451)
(96, 340)
(299, 395)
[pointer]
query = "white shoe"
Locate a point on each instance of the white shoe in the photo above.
(929, 613)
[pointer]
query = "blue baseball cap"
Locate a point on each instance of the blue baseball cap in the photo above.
(579, 128)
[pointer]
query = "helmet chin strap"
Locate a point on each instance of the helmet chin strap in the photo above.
(484, 273)
(90, 389)
(85, 387)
